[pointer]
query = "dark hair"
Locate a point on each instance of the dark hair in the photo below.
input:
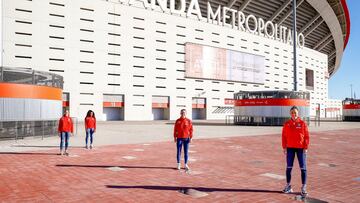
(294, 108)
(88, 114)
(183, 110)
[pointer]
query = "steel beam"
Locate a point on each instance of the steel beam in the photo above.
(309, 23)
(277, 12)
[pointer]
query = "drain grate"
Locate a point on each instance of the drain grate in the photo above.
(327, 165)
(256, 162)
(274, 176)
(308, 199)
(192, 160)
(192, 192)
(115, 168)
(129, 157)
(191, 172)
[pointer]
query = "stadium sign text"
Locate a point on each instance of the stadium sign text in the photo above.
(222, 16)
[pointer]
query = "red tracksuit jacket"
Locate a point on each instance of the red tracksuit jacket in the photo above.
(183, 128)
(295, 134)
(90, 122)
(65, 124)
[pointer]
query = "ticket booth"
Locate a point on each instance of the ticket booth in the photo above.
(351, 109)
(269, 107)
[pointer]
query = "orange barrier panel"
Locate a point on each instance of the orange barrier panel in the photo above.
(13, 90)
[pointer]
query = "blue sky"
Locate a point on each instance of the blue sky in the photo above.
(349, 71)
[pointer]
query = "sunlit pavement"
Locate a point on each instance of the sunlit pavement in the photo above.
(231, 169)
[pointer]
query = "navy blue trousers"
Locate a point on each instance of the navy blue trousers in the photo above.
(290, 156)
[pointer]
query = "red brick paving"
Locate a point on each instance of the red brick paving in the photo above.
(228, 169)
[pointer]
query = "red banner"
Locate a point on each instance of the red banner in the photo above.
(198, 106)
(160, 105)
(332, 109)
(272, 102)
(351, 106)
(113, 104)
(229, 101)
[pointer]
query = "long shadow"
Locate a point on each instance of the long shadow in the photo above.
(43, 146)
(202, 189)
(28, 153)
(108, 166)
(204, 124)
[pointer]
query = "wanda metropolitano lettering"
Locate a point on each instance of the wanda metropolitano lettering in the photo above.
(221, 15)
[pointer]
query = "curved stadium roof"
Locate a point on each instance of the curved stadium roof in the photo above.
(324, 23)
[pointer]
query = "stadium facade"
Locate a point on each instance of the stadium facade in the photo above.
(146, 60)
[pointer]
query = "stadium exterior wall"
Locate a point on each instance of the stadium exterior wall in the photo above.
(104, 47)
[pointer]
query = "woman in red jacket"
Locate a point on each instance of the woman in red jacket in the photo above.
(90, 128)
(295, 140)
(183, 133)
(65, 128)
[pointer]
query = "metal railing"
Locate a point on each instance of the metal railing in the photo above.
(15, 130)
(21, 129)
(229, 119)
(263, 121)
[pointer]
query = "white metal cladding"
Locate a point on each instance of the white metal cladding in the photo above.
(351, 112)
(32, 109)
(13, 109)
(268, 111)
(51, 109)
(141, 56)
(160, 99)
(113, 98)
(29, 109)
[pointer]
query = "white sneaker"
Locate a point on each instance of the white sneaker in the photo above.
(187, 168)
(287, 189)
(91, 146)
(178, 166)
(303, 191)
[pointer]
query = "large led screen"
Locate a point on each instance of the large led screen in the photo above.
(223, 64)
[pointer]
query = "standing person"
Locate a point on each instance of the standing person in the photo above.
(295, 140)
(65, 128)
(90, 128)
(183, 132)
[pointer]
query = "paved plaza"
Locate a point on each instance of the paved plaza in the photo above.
(135, 162)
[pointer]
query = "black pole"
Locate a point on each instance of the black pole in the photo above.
(294, 44)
